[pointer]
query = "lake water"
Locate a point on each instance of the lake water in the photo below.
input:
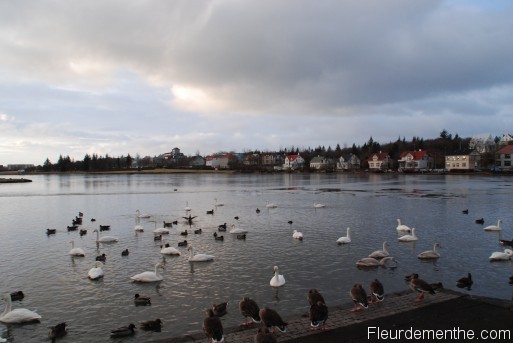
(57, 287)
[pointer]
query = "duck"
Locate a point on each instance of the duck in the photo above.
(152, 325)
(57, 331)
(318, 314)
(249, 309)
(237, 230)
(217, 237)
(297, 235)
(377, 291)
(494, 227)
(318, 205)
(465, 211)
(104, 239)
(101, 258)
(210, 212)
(420, 286)
(167, 224)
(373, 262)
(501, 256)
(314, 296)
(430, 254)
(104, 227)
(380, 253)
(149, 276)
(76, 251)
(51, 231)
(263, 335)
(409, 238)
(345, 239)
(480, 221)
(465, 282)
(96, 272)
(18, 315)
(241, 236)
(506, 242)
(184, 233)
(219, 309)
(402, 227)
(213, 327)
(123, 331)
(257, 210)
(359, 297)
(198, 257)
(141, 300)
(17, 295)
(167, 250)
(198, 231)
(277, 280)
(157, 237)
(125, 252)
(221, 227)
(82, 232)
(272, 319)
(182, 244)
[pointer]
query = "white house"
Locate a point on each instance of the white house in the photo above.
(415, 161)
(321, 163)
(503, 158)
(462, 160)
(379, 161)
(293, 162)
(351, 162)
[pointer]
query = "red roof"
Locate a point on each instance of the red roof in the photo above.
(381, 156)
(508, 149)
(293, 157)
(417, 154)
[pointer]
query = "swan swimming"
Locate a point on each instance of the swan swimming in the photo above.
(318, 205)
(104, 239)
(277, 280)
(143, 215)
(297, 235)
(345, 239)
(270, 205)
(494, 227)
(96, 272)
(198, 257)
(501, 256)
(169, 251)
(372, 262)
(409, 238)
(430, 254)
(76, 251)
(149, 276)
(18, 315)
(380, 253)
(237, 230)
(402, 227)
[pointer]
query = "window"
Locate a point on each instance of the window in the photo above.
(507, 163)
(507, 156)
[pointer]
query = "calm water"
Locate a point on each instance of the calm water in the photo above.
(57, 287)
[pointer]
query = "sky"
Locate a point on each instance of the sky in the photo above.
(142, 77)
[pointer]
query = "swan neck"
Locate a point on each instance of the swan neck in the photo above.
(8, 305)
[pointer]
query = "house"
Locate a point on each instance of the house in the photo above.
(251, 159)
(464, 160)
(351, 162)
(506, 139)
(321, 163)
(197, 162)
(271, 159)
(379, 161)
(293, 162)
(482, 143)
(221, 161)
(418, 160)
(503, 158)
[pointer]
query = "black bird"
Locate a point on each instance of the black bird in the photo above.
(212, 327)
(51, 231)
(318, 315)
(218, 238)
(189, 218)
(141, 300)
(83, 232)
(314, 296)
(72, 227)
(290, 222)
(420, 286)
(166, 224)
(376, 291)
(465, 211)
(123, 331)
(184, 233)
(465, 282)
(101, 258)
(510, 281)
(236, 217)
(17, 295)
(263, 335)
(182, 244)
(125, 252)
(198, 231)
(57, 331)
(359, 297)
(93, 220)
(104, 227)
(152, 325)
(241, 236)
(221, 227)
(249, 308)
(175, 222)
(272, 319)
(257, 210)
(219, 309)
(480, 221)
(157, 238)
(210, 212)
(506, 242)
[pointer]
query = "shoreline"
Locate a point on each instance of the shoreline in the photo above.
(10, 180)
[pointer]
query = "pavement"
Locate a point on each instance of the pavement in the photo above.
(443, 316)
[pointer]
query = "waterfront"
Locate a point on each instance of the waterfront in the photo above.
(57, 286)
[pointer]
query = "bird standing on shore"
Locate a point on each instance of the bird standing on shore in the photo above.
(420, 286)
(318, 314)
(263, 335)
(212, 327)
(377, 291)
(249, 308)
(272, 319)
(359, 297)
(465, 282)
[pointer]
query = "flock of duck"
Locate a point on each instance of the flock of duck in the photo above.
(270, 319)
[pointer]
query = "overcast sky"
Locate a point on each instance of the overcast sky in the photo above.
(124, 77)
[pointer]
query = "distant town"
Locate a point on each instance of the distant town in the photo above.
(447, 153)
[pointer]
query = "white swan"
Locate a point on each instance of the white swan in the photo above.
(494, 227)
(409, 238)
(76, 251)
(96, 272)
(169, 251)
(380, 253)
(402, 227)
(270, 205)
(218, 203)
(501, 256)
(198, 257)
(138, 228)
(149, 276)
(187, 208)
(104, 239)
(430, 254)
(141, 215)
(372, 262)
(297, 235)
(345, 239)
(237, 230)
(161, 231)
(277, 280)
(18, 315)
(318, 205)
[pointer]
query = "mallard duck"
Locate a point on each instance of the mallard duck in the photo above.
(377, 291)
(57, 331)
(420, 286)
(141, 300)
(359, 297)
(212, 327)
(249, 308)
(219, 309)
(318, 314)
(263, 335)
(123, 331)
(272, 319)
(314, 296)
(152, 325)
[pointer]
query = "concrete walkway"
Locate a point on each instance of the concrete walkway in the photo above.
(444, 311)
